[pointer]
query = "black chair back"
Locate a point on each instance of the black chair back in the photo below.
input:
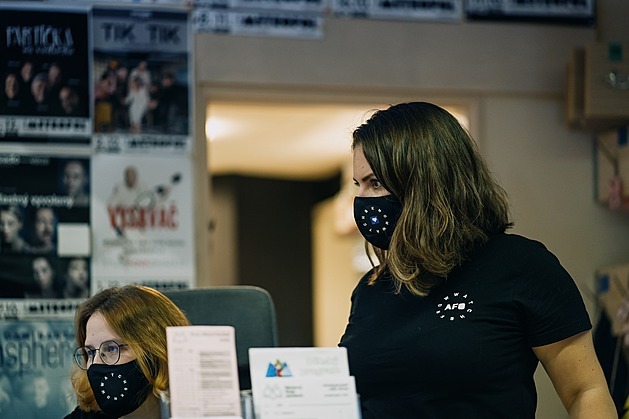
(249, 309)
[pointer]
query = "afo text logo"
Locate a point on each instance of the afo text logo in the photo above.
(456, 306)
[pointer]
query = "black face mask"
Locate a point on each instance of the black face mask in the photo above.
(119, 389)
(376, 218)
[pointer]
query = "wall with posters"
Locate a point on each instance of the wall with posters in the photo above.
(97, 177)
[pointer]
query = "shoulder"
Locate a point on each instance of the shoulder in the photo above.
(384, 283)
(514, 241)
(513, 249)
(511, 256)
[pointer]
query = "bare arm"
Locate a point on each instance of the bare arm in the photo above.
(577, 376)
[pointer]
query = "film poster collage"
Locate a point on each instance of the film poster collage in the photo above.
(95, 178)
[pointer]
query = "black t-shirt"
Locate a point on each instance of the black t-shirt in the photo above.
(80, 414)
(465, 349)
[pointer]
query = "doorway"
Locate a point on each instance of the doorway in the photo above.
(275, 163)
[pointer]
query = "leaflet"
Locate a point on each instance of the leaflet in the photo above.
(312, 383)
(312, 398)
(303, 362)
(203, 372)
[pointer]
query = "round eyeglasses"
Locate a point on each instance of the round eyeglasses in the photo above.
(109, 353)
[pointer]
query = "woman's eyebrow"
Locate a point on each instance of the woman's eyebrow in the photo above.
(366, 177)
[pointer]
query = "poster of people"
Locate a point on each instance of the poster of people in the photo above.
(141, 80)
(44, 67)
(35, 362)
(44, 234)
(142, 219)
(95, 123)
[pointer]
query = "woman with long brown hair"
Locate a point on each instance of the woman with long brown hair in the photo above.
(456, 314)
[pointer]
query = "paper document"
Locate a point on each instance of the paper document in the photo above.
(302, 383)
(298, 362)
(307, 398)
(203, 372)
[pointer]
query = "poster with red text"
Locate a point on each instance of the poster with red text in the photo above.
(44, 65)
(142, 220)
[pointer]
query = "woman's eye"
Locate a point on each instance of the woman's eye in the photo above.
(110, 349)
(376, 183)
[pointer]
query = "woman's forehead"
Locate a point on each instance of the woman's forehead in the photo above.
(97, 331)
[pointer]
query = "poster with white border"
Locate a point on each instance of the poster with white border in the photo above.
(142, 218)
(142, 80)
(45, 73)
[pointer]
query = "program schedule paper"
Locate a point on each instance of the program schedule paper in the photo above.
(203, 372)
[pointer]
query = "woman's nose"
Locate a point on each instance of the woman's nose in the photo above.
(97, 359)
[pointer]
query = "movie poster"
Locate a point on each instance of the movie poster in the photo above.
(44, 67)
(35, 361)
(44, 234)
(142, 219)
(141, 80)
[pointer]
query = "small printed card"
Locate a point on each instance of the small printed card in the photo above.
(203, 372)
(309, 383)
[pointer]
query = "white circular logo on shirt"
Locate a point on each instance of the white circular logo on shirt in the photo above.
(455, 306)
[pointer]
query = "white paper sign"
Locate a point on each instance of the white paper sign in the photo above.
(279, 23)
(203, 372)
(434, 10)
(298, 362)
(311, 398)
(311, 383)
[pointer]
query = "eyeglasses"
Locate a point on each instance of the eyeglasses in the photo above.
(109, 353)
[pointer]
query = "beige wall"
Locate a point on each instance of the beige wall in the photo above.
(548, 172)
(358, 54)
(512, 77)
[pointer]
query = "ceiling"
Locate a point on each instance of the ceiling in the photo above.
(294, 141)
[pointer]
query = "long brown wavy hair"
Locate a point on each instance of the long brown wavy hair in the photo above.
(139, 315)
(423, 156)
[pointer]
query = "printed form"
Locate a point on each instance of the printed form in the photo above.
(203, 372)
